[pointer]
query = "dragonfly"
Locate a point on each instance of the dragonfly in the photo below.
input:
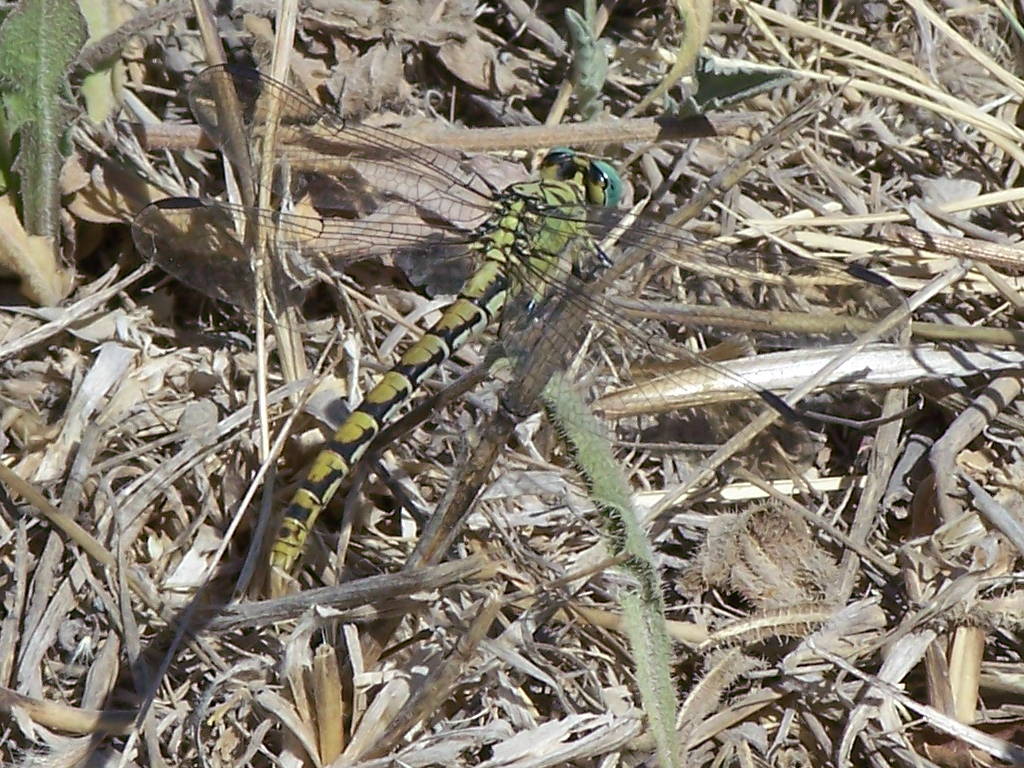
(356, 191)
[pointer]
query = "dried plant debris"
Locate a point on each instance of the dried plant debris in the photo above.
(868, 614)
(767, 556)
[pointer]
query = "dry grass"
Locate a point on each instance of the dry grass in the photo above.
(871, 615)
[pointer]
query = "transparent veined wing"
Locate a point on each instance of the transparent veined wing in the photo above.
(354, 192)
(373, 192)
(341, 167)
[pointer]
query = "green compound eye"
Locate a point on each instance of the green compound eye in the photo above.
(604, 185)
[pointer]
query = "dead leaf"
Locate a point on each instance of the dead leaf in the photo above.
(32, 258)
(110, 195)
(472, 61)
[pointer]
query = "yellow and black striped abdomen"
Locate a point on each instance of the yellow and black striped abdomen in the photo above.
(482, 298)
(522, 247)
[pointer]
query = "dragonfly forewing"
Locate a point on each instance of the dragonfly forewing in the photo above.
(340, 166)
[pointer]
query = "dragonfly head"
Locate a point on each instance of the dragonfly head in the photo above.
(600, 182)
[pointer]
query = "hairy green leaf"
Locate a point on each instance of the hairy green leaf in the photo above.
(38, 42)
(643, 605)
